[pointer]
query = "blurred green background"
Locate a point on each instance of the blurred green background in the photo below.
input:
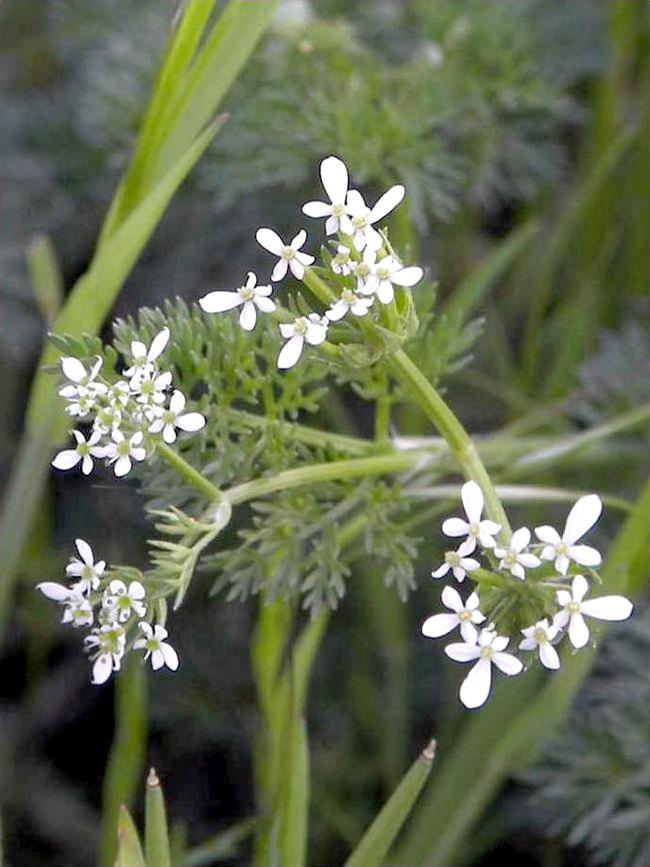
(520, 130)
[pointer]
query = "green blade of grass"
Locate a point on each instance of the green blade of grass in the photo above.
(156, 834)
(129, 850)
(224, 845)
(381, 834)
(45, 276)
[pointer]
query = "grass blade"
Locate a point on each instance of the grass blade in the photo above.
(156, 835)
(129, 850)
(45, 276)
(224, 845)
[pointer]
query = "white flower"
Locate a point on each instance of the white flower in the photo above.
(349, 301)
(84, 568)
(83, 381)
(143, 359)
(84, 451)
(311, 329)
(474, 528)
(363, 270)
(581, 518)
(464, 615)
(107, 646)
(387, 273)
(573, 609)
(155, 646)
(78, 611)
(334, 176)
(341, 262)
(250, 297)
(289, 254)
(475, 688)
(107, 419)
(540, 636)
(174, 417)
(122, 601)
(458, 562)
(121, 451)
(364, 217)
(81, 406)
(514, 558)
(150, 389)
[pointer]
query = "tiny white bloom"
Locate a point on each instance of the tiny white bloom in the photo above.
(514, 558)
(83, 382)
(122, 600)
(475, 688)
(106, 645)
(334, 176)
(107, 418)
(156, 647)
(173, 418)
(458, 562)
(289, 255)
(581, 518)
(81, 406)
(143, 358)
(341, 262)
(84, 451)
(249, 297)
(363, 270)
(150, 390)
(573, 609)
(349, 301)
(474, 528)
(465, 615)
(121, 451)
(305, 328)
(78, 611)
(540, 636)
(363, 217)
(388, 273)
(84, 568)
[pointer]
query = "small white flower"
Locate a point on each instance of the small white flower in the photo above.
(81, 406)
(364, 217)
(84, 382)
(119, 394)
(573, 609)
(151, 390)
(78, 611)
(475, 688)
(474, 528)
(540, 636)
(334, 176)
(84, 568)
(122, 601)
(289, 254)
(106, 645)
(458, 562)
(514, 558)
(311, 329)
(386, 274)
(174, 417)
(363, 270)
(349, 301)
(84, 451)
(464, 615)
(143, 359)
(341, 262)
(250, 297)
(107, 419)
(156, 647)
(581, 518)
(121, 451)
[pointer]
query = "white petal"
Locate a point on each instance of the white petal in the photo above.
(490, 527)
(270, 240)
(157, 659)
(334, 176)
(475, 688)
(298, 240)
(561, 619)
(520, 538)
(373, 239)
(451, 599)
(455, 527)
(138, 454)
(439, 624)
(191, 421)
(500, 642)
(251, 280)
(385, 292)
(507, 663)
(441, 571)
(562, 564)
(297, 268)
(548, 534)
(563, 597)
(578, 631)
(468, 632)
(407, 276)
(548, 656)
(317, 209)
(355, 202)
(582, 517)
(290, 352)
(530, 561)
(177, 402)
(52, 590)
(337, 311)
(138, 349)
(248, 316)
(316, 334)
(459, 574)
(73, 369)
(584, 555)
(102, 669)
(122, 466)
(266, 305)
(66, 459)
(169, 434)
(85, 551)
(170, 655)
(579, 588)
(608, 608)
(158, 344)
(287, 329)
(469, 564)
(518, 571)
(331, 225)
(386, 203)
(463, 652)
(87, 465)
(218, 302)
(528, 643)
(473, 602)
(279, 270)
(472, 497)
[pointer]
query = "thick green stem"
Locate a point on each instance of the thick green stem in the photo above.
(452, 430)
(188, 472)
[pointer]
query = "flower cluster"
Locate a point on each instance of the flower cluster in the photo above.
(559, 597)
(125, 416)
(362, 264)
(117, 612)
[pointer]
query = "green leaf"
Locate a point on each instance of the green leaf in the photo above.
(379, 837)
(156, 835)
(223, 846)
(45, 276)
(129, 851)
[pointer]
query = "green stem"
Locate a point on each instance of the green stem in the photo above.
(188, 472)
(319, 287)
(452, 430)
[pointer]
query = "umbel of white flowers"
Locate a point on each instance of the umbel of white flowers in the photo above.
(365, 268)
(117, 615)
(486, 648)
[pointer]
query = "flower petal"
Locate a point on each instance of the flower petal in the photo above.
(102, 669)
(407, 276)
(441, 571)
(463, 652)
(73, 369)
(608, 608)
(472, 497)
(475, 689)
(439, 624)
(290, 352)
(584, 555)
(578, 631)
(52, 590)
(122, 466)
(548, 656)
(270, 240)
(451, 599)
(177, 402)
(248, 316)
(317, 209)
(266, 305)
(582, 518)
(218, 302)
(334, 175)
(85, 551)
(279, 270)
(548, 534)
(170, 656)
(386, 203)
(468, 632)
(579, 588)
(298, 240)
(191, 421)
(520, 538)
(66, 459)
(455, 527)
(507, 663)
(158, 344)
